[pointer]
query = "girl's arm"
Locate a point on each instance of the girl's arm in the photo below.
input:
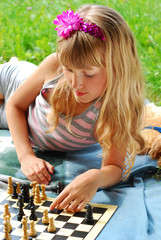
(83, 188)
(34, 168)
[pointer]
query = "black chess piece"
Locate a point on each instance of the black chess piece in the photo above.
(59, 188)
(33, 214)
(25, 192)
(14, 195)
(31, 202)
(89, 214)
(21, 212)
(20, 200)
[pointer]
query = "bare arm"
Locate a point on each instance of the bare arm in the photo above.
(16, 109)
(83, 188)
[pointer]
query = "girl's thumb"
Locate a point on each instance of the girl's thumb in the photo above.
(49, 167)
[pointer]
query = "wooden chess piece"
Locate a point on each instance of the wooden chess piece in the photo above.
(6, 211)
(32, 231)
(33, 184)
(51, 227)
(24, 218)
(37, 198)
(45, 218)
(24, 229)
(6, 231)
(43, 195)
(7, 218)
(9, 189)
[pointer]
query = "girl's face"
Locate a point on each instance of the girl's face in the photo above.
(87, 85)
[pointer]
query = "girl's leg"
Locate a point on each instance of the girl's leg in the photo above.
(12, 74)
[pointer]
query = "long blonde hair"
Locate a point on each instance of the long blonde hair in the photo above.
(119, 122)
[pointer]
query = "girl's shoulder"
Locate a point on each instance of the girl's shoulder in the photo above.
(51, 66)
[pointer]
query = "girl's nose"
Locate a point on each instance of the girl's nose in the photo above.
(77, 81)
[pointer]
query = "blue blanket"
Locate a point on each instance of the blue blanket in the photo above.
(138, 199)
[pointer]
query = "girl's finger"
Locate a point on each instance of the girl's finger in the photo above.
(40, 175)
(58, 200)
(80, 206)
(66, 201)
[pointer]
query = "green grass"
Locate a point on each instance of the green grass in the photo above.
(27, 31)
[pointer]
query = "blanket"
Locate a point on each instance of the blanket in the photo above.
(138, 198)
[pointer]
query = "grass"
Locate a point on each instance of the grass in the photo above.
(27, 31)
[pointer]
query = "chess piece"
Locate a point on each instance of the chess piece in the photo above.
(9, 189)
(6, 230)
(18, 188)
(33, 184)
(89, 214)
(43, 195)
(24, 229)
(21, 212)
(31, 202)
(14, 195)
(24, 219)
(45, 218)
(32, 231)
(25, 192)
(20, 200)
(6, 211)
(7, 218)
(33, 214)
(59, 188)
(51, 227)
(37, 198)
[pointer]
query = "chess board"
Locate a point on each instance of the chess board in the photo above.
(70, 226)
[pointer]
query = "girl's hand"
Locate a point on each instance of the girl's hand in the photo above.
(36, 169)
(79, 192)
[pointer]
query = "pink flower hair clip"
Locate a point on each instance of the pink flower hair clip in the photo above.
(69, 22)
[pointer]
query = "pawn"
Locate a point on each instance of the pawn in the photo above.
(45, 218)
(32, 231)
(43, 195)
(6, 211)
(7, 218)
(31, 202)
(37, 198)
(24, 219)
(33, 214)
(6, 230)
(89, 214)
(51, 227)
(14, 195)
(9, 189)
(24, 229)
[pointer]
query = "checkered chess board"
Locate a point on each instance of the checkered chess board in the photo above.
(70, 226)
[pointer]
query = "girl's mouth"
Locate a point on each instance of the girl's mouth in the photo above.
(80, 93)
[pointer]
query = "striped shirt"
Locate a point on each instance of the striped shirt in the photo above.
(61, 139)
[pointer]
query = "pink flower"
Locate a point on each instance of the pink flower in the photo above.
(67, 22)
(29, 8)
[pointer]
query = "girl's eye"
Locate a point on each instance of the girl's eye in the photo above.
(68, 70)
(87, 75)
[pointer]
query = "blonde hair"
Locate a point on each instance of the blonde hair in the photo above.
(119, 122)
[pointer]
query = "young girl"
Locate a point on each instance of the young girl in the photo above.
(90, 91)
